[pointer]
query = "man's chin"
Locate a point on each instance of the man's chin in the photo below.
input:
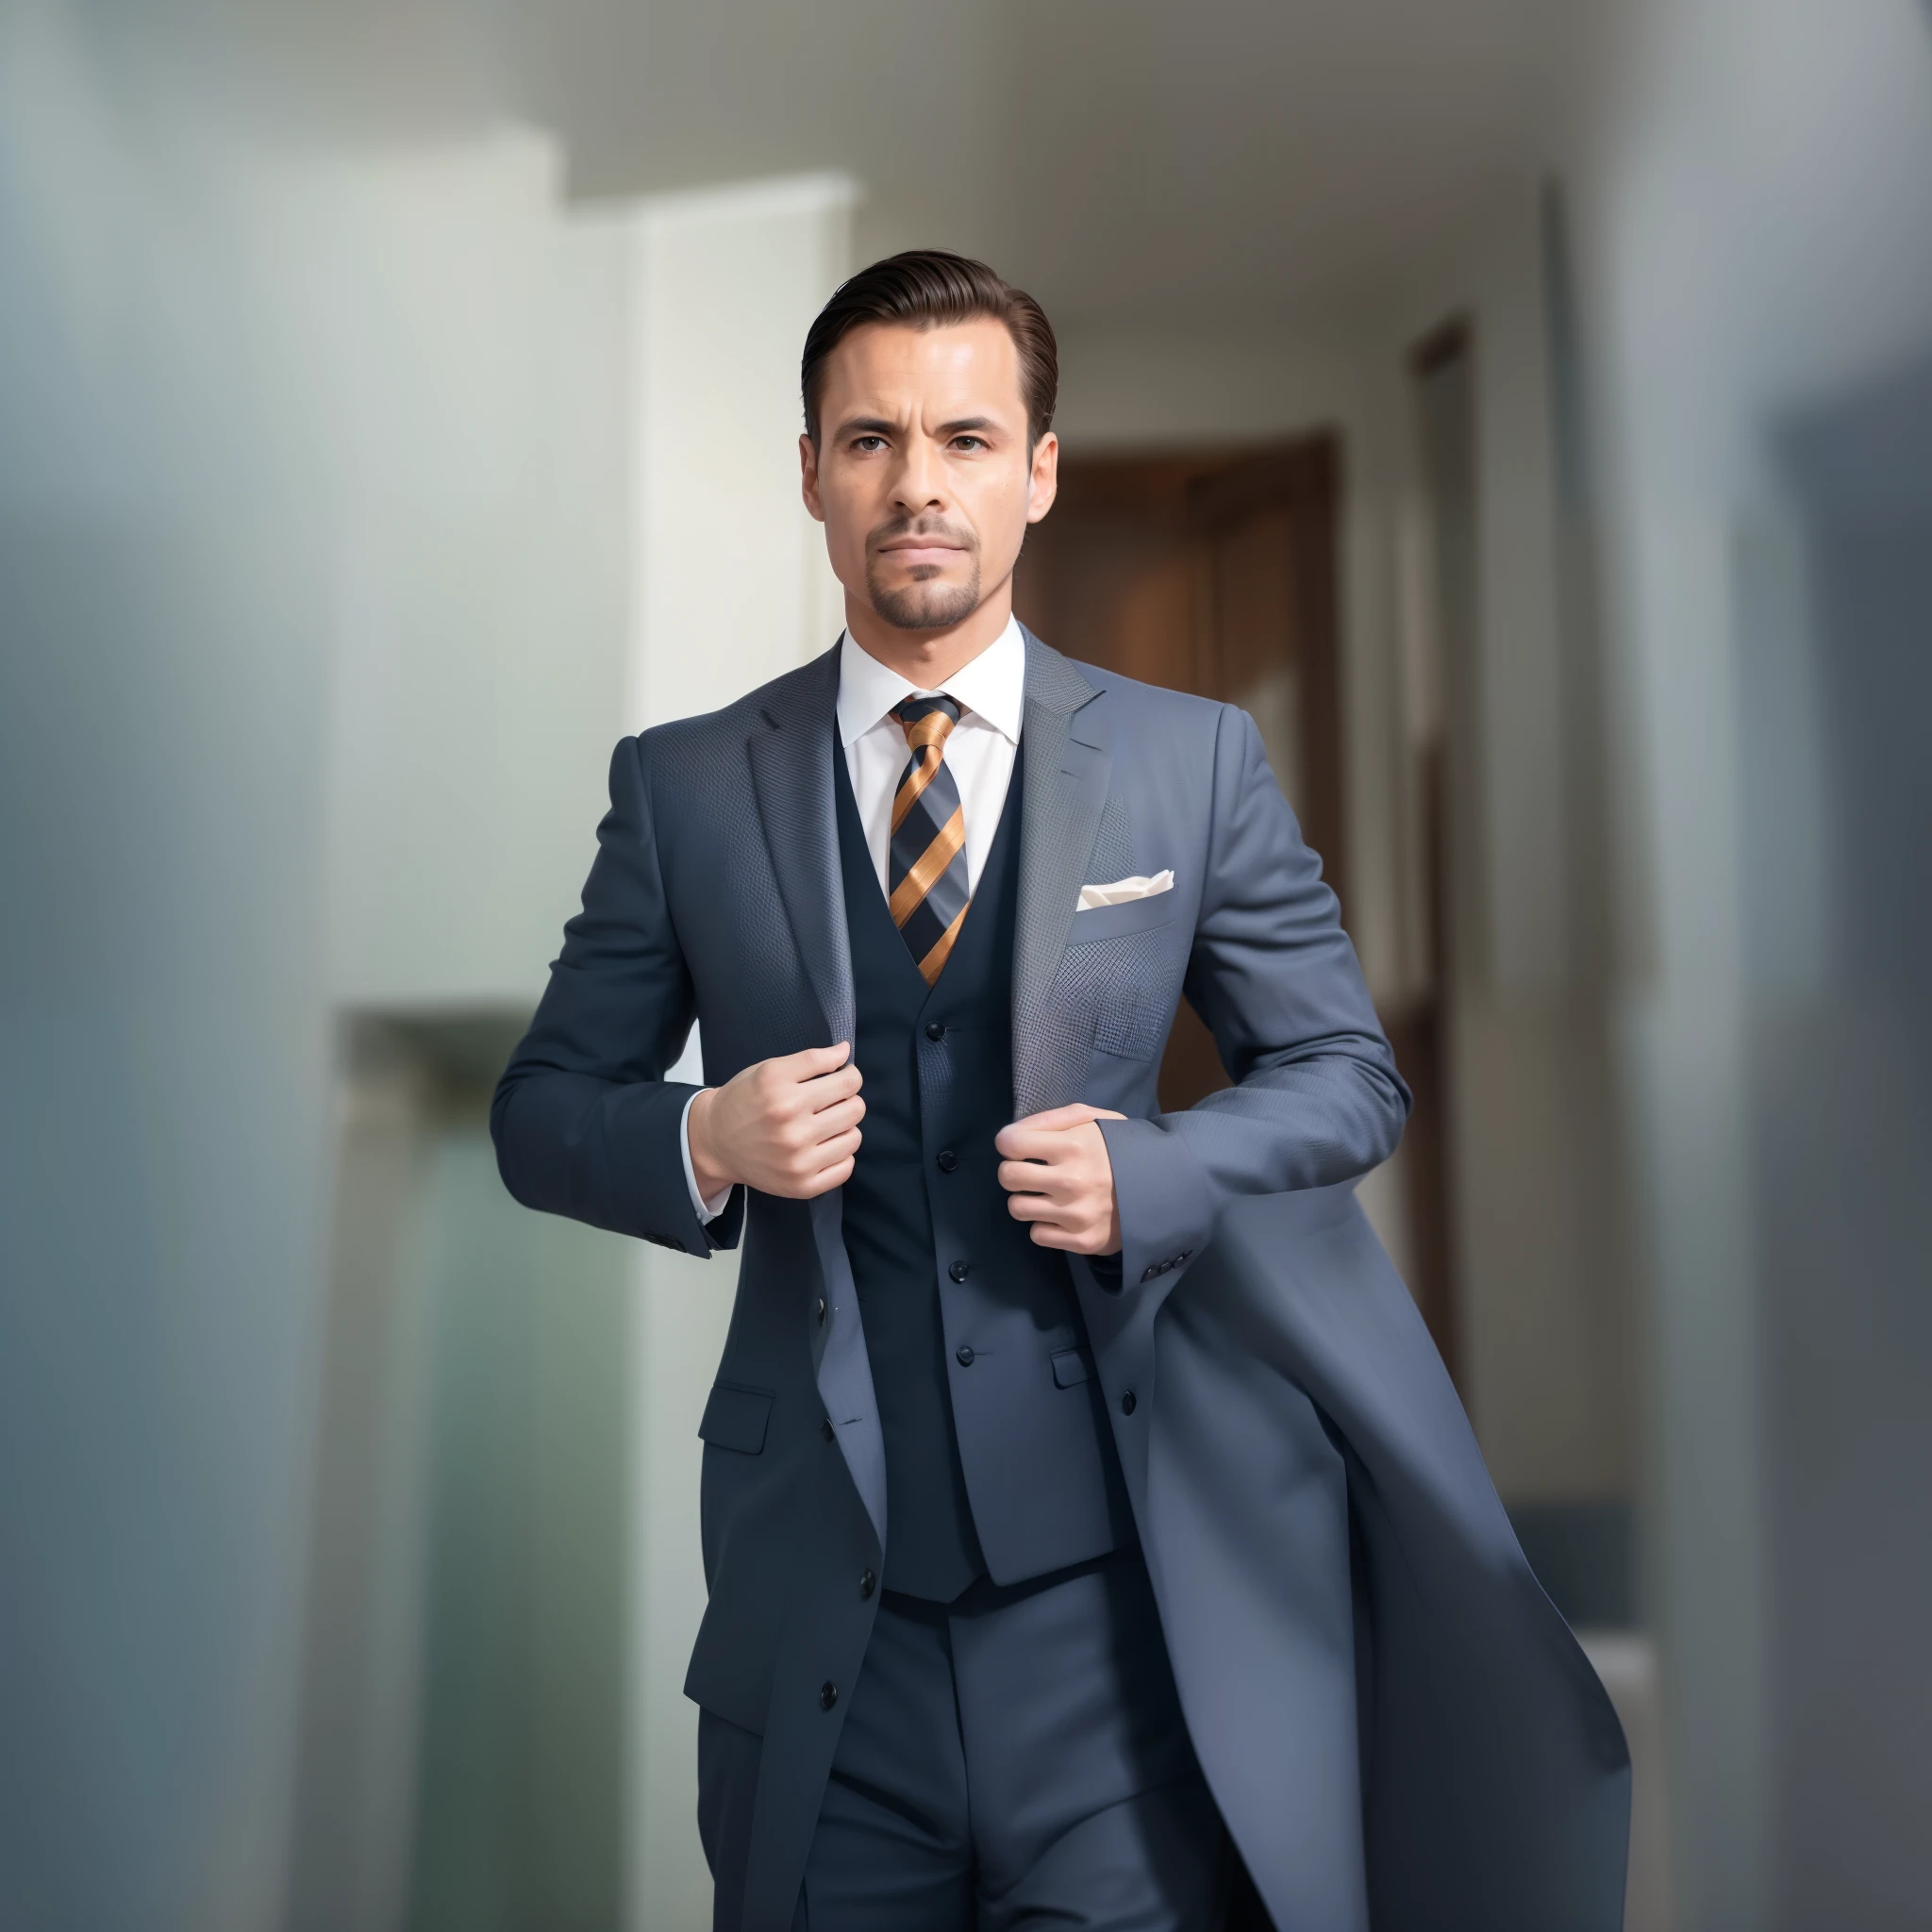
(925, 607)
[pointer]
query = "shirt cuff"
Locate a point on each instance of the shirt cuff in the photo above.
(704, 1210)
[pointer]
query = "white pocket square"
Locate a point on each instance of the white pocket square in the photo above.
(1123, 890)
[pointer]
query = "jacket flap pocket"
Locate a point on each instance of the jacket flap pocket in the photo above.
(1117, 922)
(734, 1418)
(1072, 1366)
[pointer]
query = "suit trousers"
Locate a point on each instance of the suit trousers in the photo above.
(1012, 1760)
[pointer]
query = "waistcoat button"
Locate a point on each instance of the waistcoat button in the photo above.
(829, 1695)
(867, 1583)
(959, 1270)
(822, 1311)
(1127, 1403)
(947, 1159)
(964, 1356)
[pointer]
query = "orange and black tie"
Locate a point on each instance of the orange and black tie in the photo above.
(926, 875)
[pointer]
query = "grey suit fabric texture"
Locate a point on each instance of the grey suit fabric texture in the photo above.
(1394, 1722)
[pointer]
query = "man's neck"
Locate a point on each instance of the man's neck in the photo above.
(928, 658)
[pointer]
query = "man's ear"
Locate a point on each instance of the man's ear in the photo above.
(1043, 481)
(808, 478)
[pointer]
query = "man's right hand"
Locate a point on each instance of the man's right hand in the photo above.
(788, 1127)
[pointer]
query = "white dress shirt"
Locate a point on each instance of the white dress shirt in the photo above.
(990, 692)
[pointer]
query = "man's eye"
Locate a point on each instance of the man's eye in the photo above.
(868, 444)
(969, 443)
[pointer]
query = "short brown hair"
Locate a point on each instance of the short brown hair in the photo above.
(928, 287)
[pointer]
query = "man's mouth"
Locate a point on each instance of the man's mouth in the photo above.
(915, 551)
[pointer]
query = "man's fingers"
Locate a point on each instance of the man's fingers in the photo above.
(1019, 1143)
(1054, 1123)
(826, 1180)
(809, 1152)
(1034, 1177)
(840, 1147)
(802, 1174)
(826, 1088)
(1056, 1118)
(1047, 1234)
(1023, 1138)
(812, 1062)
(1054, 1233)
(828, 1120)
(1033, 1207)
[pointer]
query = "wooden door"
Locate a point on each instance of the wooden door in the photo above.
(1212, 572)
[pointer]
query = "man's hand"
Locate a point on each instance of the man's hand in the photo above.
(788, 1127)
(1056, 1175)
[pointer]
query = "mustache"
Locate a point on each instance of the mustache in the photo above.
(936, 529)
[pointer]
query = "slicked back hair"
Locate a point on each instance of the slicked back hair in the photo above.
(929, 288)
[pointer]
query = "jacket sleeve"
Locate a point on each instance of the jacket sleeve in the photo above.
(584, 1120)
(1316, 1097)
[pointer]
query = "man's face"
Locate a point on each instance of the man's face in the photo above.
(922, 475)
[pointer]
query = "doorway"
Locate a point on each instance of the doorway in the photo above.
(1210, 571)
(1217, 571)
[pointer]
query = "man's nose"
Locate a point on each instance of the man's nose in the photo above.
(920, 484)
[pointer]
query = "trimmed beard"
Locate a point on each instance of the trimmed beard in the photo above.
(923, 606)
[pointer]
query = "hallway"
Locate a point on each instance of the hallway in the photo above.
(1519, 408)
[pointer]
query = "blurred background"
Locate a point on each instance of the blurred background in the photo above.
(1524, 406)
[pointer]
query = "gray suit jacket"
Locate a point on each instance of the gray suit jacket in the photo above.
(1393, 1719)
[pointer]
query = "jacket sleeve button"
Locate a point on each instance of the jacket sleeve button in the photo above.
(959, 1270)
(829, 1695)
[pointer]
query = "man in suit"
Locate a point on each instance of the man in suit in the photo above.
(934, 899)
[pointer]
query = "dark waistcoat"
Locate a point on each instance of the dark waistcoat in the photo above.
(999, 1459)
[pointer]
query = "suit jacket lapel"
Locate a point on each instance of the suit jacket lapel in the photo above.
(791, 770)
(1063, 791)
(791, 752)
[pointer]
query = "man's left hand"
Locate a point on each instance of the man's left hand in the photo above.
(1058, 1176)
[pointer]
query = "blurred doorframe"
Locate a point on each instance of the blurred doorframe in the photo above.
(1446, 770)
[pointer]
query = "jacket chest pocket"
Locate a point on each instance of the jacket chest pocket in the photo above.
(1120, 922)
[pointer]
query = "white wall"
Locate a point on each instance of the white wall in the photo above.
(1752, 183)
(302, 447)
(733, 589)
(1546, 1320)
(480, 582)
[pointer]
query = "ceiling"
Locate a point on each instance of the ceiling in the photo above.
(1136, 163)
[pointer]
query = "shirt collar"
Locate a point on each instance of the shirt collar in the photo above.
(992, 686)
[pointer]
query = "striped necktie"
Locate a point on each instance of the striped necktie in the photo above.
(926, 872)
